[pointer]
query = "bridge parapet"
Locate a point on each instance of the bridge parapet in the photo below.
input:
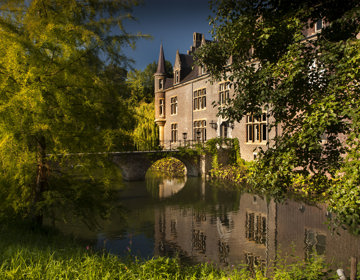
(134, 165)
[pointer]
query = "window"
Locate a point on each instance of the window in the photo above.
(200, 130)
(162, 107)
(161, 83)
(255, 227)
(174, 132)
(200, 99)
(256, 128)
(315, 243)
(254, 262)
(198, 241)
(224, 129)
(224, 90)
(319, 25)
(173, 105)
(177, 77)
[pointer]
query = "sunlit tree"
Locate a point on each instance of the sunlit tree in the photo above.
(311, 87)
(141, 83)
(55, 98)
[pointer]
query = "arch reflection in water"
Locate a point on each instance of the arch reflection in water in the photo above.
(163, 187)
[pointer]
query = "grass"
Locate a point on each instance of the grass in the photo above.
(44, 253)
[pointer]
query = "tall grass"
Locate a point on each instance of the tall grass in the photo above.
(46, 254)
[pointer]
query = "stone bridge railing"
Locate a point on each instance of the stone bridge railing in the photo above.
(134, 165)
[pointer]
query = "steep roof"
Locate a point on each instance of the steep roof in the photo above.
(183, 62)
(187, 62)
(169, 82)
(161, 62)
(193, 74)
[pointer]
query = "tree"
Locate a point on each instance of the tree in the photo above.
(141, 87)
(141, 83)
(311, 87)
(146, 132)
(54, 96)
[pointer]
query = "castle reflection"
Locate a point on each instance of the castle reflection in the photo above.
(255, 233)
(203, 222)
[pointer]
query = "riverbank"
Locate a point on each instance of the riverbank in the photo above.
(44, 253)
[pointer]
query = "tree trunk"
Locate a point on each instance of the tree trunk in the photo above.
(41, 181)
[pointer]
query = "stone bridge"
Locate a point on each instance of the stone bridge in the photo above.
(135, 164)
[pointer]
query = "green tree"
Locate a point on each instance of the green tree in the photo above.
(141, 87)
(311, 87)
(145, 134)
(54, 93)
(141, 83)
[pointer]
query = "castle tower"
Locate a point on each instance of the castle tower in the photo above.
(159, 80)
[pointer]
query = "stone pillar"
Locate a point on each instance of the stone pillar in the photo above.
(161, 124)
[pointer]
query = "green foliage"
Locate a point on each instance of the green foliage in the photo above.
(141, 83)
(55, 96)
(213, 145)
(310, 87)
(170, 166)
(235, 170)
(233, 173)
(198, 149)
(145, 134)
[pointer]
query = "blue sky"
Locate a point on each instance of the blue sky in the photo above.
(170, 22)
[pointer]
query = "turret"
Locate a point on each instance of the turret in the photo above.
(159, 80)
(160, 75)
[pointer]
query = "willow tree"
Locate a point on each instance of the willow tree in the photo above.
(54, 97)
(311, 87)
(145, 134)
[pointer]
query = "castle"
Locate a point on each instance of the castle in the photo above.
(184, 108)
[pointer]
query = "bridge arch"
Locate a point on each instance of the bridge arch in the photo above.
(134, 165)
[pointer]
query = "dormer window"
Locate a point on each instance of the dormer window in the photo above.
(319, 25)
(177, 77)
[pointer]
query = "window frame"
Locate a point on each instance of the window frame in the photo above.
(177, 77)
(224, 93)
(199, 99)
(173, 105)
(174, 132)
(161, 107)
(161, 84)
(224, 129)
(199, 125)
(317, 30)
(257, 128)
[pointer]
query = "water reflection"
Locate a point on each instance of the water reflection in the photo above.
(205, 223)
(163, 187)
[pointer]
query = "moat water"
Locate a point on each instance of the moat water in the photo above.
(200, 221)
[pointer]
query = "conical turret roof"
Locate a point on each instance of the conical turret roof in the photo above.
(161, 62)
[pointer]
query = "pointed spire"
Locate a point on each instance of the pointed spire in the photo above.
(161, 62)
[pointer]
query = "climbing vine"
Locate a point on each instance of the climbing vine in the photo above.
(235, 171)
